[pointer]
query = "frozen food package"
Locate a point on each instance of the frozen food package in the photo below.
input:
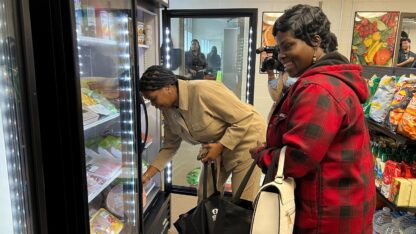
(89, 117)
(86, 100)
(102, 106)
(114, 201)
(94, 182)
(103, 222)
(103, 167)
(382, 99)
(111, 144)
(372, 85)
(407, 124)
(399, 103)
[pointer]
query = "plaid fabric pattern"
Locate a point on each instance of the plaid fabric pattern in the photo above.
(328, 150)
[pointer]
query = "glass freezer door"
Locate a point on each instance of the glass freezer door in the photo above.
(15, 213)
(103, 32)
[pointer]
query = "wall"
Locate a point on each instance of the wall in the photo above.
(340, 13)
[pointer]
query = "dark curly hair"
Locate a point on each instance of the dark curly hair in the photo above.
(305, 22)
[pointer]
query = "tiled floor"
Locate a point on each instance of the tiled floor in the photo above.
(180, 204)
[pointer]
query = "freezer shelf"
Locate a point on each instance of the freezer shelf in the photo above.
(101, 121)
(82, 40)
(95, 193)
(151, 191)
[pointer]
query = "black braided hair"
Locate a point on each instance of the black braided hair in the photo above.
(157, 77)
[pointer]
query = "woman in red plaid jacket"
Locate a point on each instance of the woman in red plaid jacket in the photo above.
(321, 122)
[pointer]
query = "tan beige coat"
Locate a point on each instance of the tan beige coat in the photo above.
(210, 112)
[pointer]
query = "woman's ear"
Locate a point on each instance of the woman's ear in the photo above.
(316, 40)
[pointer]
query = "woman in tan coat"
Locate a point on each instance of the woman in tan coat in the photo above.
(207, 113)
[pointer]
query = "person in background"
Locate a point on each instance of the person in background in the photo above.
(406, 57)
(206, 113)
(195, 62)
(321, 121)
(214, 60)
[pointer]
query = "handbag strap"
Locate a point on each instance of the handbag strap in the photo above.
(274, 172)
(205, 180)
(279, 173)
(244, 182)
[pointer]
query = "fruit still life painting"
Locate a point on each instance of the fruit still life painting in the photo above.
(374, 37)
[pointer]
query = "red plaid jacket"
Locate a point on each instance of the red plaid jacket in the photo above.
(321, 122)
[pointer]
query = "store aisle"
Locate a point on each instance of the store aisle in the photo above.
(180, 204)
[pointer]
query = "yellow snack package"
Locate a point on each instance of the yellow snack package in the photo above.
(103, 222)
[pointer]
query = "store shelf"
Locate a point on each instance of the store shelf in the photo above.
(372, 125)
(107, 183)
(150, 195)
(143, 46)
(392, 205)
(101, 121)
(95, 41)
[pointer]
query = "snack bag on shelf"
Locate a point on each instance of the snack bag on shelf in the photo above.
(103, 222)
(391, 170)
(372, 85)
(400, 192)
(382, 98)
(407, 124)
(400, 101)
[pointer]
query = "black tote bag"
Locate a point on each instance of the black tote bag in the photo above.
(215, 214)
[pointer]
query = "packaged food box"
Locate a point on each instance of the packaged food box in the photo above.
(412, 198)
(400, 191)
(103, 222)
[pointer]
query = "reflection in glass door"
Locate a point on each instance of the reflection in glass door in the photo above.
(15, 213)
(104, 53)
(215, 45)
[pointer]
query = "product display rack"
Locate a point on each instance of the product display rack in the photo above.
(368, 72)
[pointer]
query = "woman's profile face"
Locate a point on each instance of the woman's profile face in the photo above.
(195, 46)
(295, 55)
(161, 98)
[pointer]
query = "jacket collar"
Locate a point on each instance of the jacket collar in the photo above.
(183, 90)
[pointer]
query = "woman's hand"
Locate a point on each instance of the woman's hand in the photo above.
(214, 150)
(255, 150)
(150, 172)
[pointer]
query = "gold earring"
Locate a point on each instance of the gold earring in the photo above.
(314, 56)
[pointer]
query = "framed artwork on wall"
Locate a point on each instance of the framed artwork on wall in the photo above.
(374, 37)
(267, 38)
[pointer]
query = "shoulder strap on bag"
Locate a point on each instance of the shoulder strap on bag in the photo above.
(279, 173)
(274, 172)
(243, 184)
(205, 179)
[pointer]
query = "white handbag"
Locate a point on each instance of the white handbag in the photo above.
(274, 206)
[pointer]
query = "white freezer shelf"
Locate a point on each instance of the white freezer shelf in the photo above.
(95, 193)
(150, 195)
(82, 40)
(101, 121)
(143, 46)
